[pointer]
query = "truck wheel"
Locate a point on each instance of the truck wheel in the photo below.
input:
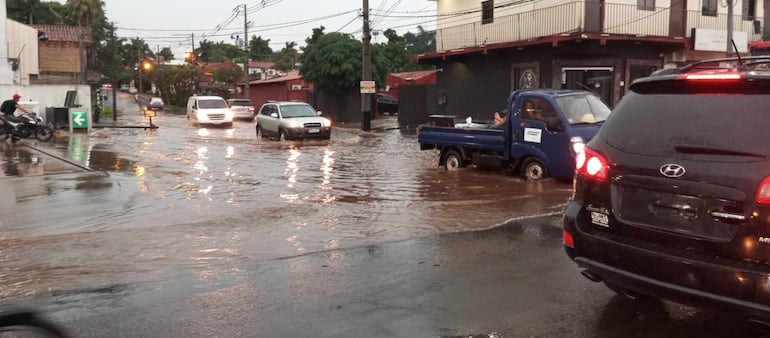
(281, 135)
(260, 133)
(533, 169)
(453, 160)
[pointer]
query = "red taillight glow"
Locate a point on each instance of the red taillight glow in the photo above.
(763, 191)
(567, 239)
(728, 76)
(592, 165)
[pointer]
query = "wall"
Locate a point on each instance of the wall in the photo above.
(59, 57)
(416, 104)
(6, 75)
(47, 95)
(23, 44)
(276, 91)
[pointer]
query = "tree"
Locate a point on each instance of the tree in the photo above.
(173, 82)
(134, 52)
(35, 12)
(422, 42)
(110, 55)
(317, 34)
(259, 49)
(225, 78)
(85, 13)
(333, 63)
(166, 53)
(287, 58)
(210, 51)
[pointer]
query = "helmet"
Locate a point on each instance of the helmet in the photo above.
(16, 97)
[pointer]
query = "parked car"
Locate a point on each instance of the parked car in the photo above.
(209, 110)
(132, 90)
(291, 120)
(242, 109)
(156, 103)
(672, 197)
(387, 104)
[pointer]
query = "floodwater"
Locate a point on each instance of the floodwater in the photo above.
(183, 202)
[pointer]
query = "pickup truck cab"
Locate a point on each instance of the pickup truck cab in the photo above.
(543, 131)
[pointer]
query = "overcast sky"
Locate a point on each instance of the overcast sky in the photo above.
(170, 23)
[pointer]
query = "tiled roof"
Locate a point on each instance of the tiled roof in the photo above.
(63, 33)
(261, 64)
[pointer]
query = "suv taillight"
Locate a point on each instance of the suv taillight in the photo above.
(763, 191)
(592, 165)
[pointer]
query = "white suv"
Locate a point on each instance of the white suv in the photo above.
(209, 110)
(292, 120)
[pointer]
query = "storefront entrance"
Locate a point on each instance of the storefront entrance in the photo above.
(595, 79)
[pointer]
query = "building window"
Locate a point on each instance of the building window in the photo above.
(487, 11)
(749, 9)
(709, 8)
(645, 5)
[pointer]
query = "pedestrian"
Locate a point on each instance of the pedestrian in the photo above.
(8, 108)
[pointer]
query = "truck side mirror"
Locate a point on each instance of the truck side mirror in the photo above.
(274, 115)
(553, 124)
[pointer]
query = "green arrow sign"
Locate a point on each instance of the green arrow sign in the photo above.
(79, 119)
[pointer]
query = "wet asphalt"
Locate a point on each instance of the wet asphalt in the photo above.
(197, 231)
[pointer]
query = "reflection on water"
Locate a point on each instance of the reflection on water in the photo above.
(188, 201)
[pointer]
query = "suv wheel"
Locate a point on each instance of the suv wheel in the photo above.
(260, 133)
(281, 135)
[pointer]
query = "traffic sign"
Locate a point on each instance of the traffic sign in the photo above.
(79, 119)
(367, 87)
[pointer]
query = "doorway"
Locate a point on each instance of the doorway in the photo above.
(594, 79)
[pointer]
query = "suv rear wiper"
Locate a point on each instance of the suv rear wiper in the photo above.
(713, 151)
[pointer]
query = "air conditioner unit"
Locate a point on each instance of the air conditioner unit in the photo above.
(296, 87)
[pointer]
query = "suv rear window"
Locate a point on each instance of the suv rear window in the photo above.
(242, 103)
(733, 119)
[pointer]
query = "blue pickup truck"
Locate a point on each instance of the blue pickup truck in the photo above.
(543, 131)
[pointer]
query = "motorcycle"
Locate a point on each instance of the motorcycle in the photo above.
(32, 125)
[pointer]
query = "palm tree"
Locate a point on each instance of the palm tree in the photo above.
(85, 12)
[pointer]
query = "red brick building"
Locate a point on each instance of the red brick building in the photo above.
(60, 59)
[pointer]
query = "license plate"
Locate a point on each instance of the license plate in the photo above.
(314, 131)
(600, 219)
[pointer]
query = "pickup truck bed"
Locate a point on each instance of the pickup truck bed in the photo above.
(488, 139)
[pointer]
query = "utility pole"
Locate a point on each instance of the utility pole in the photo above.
(366, 71)
(730, 28)
(114, 85)
(246, 48)
(192, 62)
(81, 42)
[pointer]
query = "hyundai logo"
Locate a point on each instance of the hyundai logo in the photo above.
(672, 170)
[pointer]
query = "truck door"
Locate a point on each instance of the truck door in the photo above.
(539, 134)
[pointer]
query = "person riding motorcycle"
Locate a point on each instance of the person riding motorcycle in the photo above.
(8, 108)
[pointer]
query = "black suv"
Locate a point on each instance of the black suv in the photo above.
(672, 199)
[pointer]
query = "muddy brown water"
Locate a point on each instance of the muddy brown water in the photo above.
(202, 203)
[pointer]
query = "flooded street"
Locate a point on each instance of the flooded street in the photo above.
(199, 203)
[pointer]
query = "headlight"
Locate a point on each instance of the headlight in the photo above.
(577, 145)
(294, 124)
(229, 114)
(327, 123)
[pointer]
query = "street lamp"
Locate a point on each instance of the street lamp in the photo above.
(190, 57)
